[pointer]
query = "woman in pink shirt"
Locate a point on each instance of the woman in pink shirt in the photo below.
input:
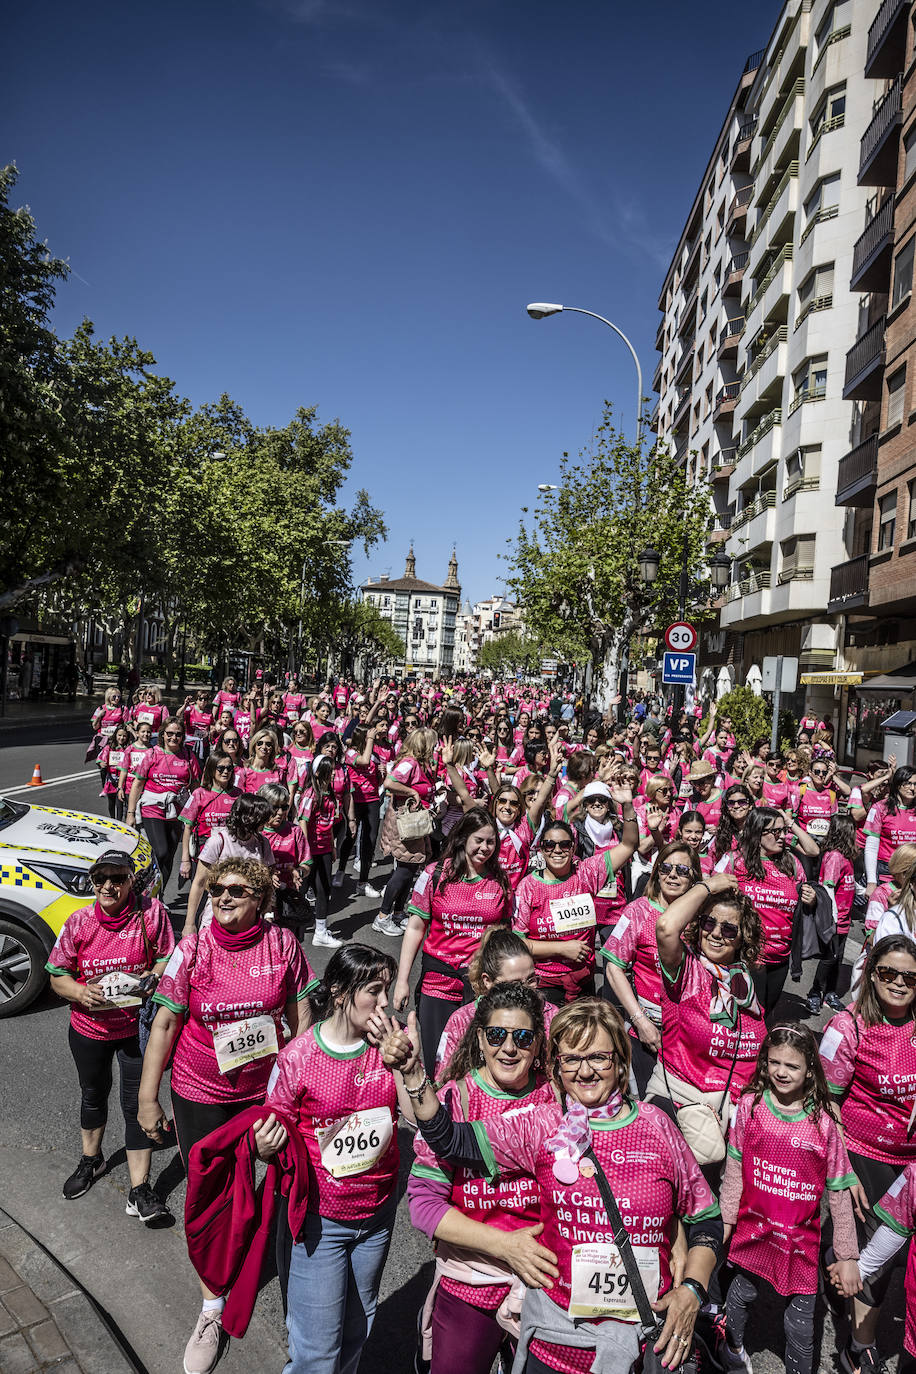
(110, 763)
(161, 788)
(411, 783)
(133, 757)
(264, 764)
(104, 720)
(226, 697)
(837, 877)
(208, 805)
(366, 771)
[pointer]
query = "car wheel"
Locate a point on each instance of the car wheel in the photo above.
(22, 967)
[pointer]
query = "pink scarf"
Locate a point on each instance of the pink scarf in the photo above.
(115, 920)
(573, 1136)
(237, 939)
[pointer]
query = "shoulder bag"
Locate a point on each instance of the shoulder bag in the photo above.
(701, 1126)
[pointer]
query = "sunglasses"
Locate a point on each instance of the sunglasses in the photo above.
(498, 1035)
(224, 768)
(885, 974)
(727, 929)
(234, 890)
(100, 879)
(778, 830)
(682, 870)
(557, 846)
(818, 772)
(740, 802)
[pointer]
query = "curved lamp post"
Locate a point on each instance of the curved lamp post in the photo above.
(539, 310)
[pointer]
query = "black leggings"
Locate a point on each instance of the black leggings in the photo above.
(115, 806)
(344, 846)
(194, 1120)
(798, 1320)
(432, 1015)
(367, 817)
(769, 981)
(93, 1059)
(558, 997)
(398, 886)
(321, 881)
(827, 974)
(165, 838)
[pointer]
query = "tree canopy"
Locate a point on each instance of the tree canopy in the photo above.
(510, 652)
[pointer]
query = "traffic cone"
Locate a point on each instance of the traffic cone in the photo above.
(36, 777)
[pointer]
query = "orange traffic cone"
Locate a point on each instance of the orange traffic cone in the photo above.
(36, 777)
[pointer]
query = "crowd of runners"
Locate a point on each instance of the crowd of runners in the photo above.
(627, 1123)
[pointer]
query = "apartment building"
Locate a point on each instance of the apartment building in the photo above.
(808, 105)
(876, 587)
(479, 624)
(423, 614)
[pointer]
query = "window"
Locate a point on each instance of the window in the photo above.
(837, 17)
(911, 519)
(816, 286)
(811, 379)
(832, 108)
(903, 272)
(825, 195)
(909, 144)
(896, 393)
(887, 520)
(804, 465)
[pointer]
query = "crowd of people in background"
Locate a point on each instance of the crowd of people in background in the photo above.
(628, 1123)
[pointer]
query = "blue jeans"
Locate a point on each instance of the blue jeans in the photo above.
(334, 1276)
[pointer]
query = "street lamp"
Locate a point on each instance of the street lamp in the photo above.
(547, 486)
(719, 571)
(649, 561)
(539, 310)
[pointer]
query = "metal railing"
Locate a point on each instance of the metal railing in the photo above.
(754, 61)
(725, 458)
(882, 21)
(776, 338)
(811, 393)
(731, 329)
(797, 89)
(795, 572)
(790, 172)
(781, 258)
(865, 350)
(763, 501)
(728, 394)
(858, 463)
(848, 580)
(886, 112)
(766, 424)
(877, 228)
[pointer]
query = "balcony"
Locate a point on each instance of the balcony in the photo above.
(865, 365)
(723, 464)
(857, 473)
(763, 378)
(726, 400)
(762, 503)
(881, 140)
(729, 335)
(886, 52)
(782, 204)
(686, 363)
(736, 220)
(660, 335)
(786, 131)
(756, 582)
(719, 526)
(657, 378)
(873, 251)
(734, 275)
(681, 411)
(741, 148)
(792, 571)
(769, 422)
(687, 323)
(849, 585)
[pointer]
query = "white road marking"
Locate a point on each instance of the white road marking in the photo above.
(50, 782)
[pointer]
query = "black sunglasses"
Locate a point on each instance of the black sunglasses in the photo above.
(885, 974)
(682, 870)
(727, 929)
(100, 879)
(497, 1035)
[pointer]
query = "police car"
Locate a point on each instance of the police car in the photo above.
(45, 857)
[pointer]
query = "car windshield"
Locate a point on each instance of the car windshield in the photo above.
(11, 811)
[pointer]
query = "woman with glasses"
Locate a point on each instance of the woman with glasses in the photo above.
(484, 1232)
(737, 805)
(632, 969)
(575, 1314)
(196, 714)
(816, 803)
(869, 1056)
(889, 824)
(555, 906)
(237, 837)
(774, 880)
(105, 963)
(264, 765)
(162, 786)
(452, 903)
(228, 998)
(208, 806)
(229, 741)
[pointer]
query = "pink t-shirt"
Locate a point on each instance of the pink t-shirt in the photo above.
(457, 1024)
(107, 719)
(535, 918)
(787, 1160)
(198, 722)
(815, 809)
(515, 850)
(776, 794)
(409, 773)
(290, 850)
(133, 757)
(698, 1049)
(365, 779)
(224, 699)
(163, 773)
(775, 897)
(885, 895)
(710, 810)
(149, 713)
(652, 1174)
(207, 809)
(897, 1209)
(892, 828)
(838, 878)
(242, 722)
(86, 950)
(254, 778)
(319, 815)
(456, 915)
(632, 946)
(212, 987)
(320, 1088)
(873, 1068)
(112, 760)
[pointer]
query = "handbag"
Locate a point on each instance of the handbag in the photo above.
(703, 1128)
(413, 825)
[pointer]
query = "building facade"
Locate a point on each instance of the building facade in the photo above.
(423, 614)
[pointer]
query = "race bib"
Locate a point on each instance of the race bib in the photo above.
(600, 1285)
(572, 913)
(108, 729)
(120, 989)
(818, 828)
(356, 1142)
(241, 1042)
(145, 717)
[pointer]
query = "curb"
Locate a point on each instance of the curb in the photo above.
(47, 1319)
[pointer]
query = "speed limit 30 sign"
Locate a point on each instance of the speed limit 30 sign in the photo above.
(681, 637)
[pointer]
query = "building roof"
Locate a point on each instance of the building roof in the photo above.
(403, 584)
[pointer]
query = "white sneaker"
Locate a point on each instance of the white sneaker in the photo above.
(384, 925)
(325, 938)
(337, 880)
(367, 890)
(202, 1350)
(736, 1359)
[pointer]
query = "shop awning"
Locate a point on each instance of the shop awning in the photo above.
(830, 679)
(901, 680)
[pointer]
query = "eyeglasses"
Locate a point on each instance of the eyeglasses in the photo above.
(727, 929)
(574, 1063)
(557, 846)
(100, 879)
(224, 768)
(818, 772)
(234, 890)
(885, 974)
(682, 870)
(498, 1035)
(663, 791)
(740, 802)
(778, 830)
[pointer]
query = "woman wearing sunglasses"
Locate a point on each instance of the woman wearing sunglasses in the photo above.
(712, 1026)
(816, 803)
(737, 805)
(223, 1000)
(101, 954)
(632, 969)
(889, 824)
(483, 1230)
(209, 805)
(774, 880)
(162, 785)
(574, 1306)
(265, 763)
(869, 1056)
(555, 909)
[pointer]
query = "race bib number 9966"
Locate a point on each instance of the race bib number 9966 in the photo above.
(356, 1142)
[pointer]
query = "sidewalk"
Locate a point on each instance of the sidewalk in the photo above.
(46, 1319)
(21, 714)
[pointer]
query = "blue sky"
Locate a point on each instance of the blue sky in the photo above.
(350, 204)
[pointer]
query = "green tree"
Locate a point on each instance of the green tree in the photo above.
(750, 715)
(509, 652)
(577, 571)
(358, 632)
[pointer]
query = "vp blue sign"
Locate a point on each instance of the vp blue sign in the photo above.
(679, 670)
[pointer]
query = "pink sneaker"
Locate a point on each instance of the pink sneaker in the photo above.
(203, 1349)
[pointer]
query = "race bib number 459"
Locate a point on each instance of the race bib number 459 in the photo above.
(576, 912)
(600, 1285)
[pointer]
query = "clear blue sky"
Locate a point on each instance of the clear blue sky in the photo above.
(350, 204)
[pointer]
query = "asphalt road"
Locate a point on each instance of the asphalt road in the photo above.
(142, 1277)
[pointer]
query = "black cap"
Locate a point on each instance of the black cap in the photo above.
(114, 858)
